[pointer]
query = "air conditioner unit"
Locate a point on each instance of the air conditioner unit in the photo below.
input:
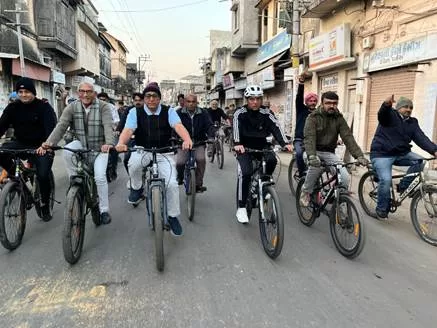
(368, 42)
(378, 3)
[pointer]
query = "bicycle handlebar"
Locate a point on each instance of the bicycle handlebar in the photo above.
(76, 151)
(18, 151)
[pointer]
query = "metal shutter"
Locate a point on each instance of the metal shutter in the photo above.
(399, 82)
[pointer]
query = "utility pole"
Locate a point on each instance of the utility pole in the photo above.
(18, 24)
(142, 59)
(295, 35)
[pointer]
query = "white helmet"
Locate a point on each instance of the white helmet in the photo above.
(253, 91)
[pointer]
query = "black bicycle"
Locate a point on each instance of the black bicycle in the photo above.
(217, 147)
(156, 199)
(82, 199)
(262, 195)
(347, 230)
(423, 206)
(293, 175)
(20, 194)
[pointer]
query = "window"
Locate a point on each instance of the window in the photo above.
(275, 21)
(265, 24)
(236, 18)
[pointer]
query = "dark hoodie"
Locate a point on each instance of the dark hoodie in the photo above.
(322, 130)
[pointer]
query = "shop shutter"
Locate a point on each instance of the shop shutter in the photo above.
(399, 82)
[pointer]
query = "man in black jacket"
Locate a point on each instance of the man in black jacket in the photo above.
(391, 146)
(303, 108)
(32, 120)
(253, 123)
(199, 125)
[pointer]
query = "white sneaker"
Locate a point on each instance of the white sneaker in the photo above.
(242, 215)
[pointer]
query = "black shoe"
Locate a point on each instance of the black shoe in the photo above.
(46, 213)
(180, 182)
(175, 226)
(381, 215)
(200, 188)
(105, 218)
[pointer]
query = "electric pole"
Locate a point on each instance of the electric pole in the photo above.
(18, 24)
(142, 59)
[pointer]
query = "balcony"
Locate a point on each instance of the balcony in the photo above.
(88, 21)
(321, 8)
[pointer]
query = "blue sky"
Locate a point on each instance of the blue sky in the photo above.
(175, 38)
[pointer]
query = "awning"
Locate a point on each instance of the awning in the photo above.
(33, 70)
(7, 55)
(281, 58)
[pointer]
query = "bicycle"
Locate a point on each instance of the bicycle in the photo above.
(423, 217)
(293, 175)
(229, 139)
(262, 195)
(24, 190)
(217, 148)
(344, 216)
(156, 200)
(190, 179)
(81, 200)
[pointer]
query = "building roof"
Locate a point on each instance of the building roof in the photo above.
(114, 41)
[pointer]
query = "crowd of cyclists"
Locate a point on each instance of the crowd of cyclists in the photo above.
(94, 123)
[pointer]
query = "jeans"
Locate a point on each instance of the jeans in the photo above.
(182, 158)
(245, 171)
(314, 173)
(167, 170)
(383, 168)
(299, 149)
(43, 166)
(100, 165)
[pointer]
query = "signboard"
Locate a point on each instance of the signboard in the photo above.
(234, 94)
(57, 77)
(403, 53)
(214, 95)
(331, 48)
(265, 78)
(240, 84)
(329, 83)
(273, 47)
(290, 73)
(228, 81)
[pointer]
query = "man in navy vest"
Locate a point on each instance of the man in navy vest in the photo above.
(153, 126)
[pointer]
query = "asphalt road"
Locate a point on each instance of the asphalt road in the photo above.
(217, 274)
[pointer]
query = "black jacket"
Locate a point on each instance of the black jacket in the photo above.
(32, 122)
(302, 112)
(394, 134)
(251, 128)
(217, 114)
(200, 126)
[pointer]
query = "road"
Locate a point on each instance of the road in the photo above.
(217, 274)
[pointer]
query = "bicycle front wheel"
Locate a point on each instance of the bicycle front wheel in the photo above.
(158, 227)
(347, 230)
(220, 154)
(73, 233)
(368, 193)
(293, 176)
(423, 212)
(307, 214)
(190, 179)
(271, 227)
(12, 215)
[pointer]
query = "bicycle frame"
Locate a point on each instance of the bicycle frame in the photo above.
(84, 179)
(189, 164)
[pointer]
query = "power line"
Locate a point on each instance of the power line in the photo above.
(157, 9)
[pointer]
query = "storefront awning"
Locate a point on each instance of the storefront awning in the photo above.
(33, 70)
(280, 58)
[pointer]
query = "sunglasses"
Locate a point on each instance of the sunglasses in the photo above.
(151, 95)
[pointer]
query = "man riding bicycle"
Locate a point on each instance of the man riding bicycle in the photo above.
(322, 128)
(304, 106)
(32, 120)
(91, 121)
(391, 146)
(153, 127)
(253, 123)
(199, 125)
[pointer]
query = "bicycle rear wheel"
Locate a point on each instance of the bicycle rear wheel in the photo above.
(368, 193)
(272, 227)
(220, 154)
(347, 230)
(423, 212)
(190, 179)
(12, 215)
(74, 225)
(158, 227)
(307, 215)
(293, 176)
